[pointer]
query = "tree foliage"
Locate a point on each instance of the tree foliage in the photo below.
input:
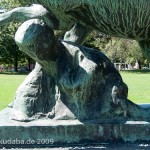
(124, 50)
(117, 49)
(97, 40)
(9, 51)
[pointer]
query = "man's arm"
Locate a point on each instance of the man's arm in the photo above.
(25, 13)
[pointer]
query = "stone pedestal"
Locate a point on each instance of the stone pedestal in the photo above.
(49, 133)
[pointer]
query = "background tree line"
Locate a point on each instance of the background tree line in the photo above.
(117, 49)
(9, 51)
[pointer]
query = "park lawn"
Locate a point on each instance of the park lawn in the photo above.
(8, 86)
(138, 84)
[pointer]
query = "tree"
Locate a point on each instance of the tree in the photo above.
(125, 50)
(97, 40)
(117, 49)
(9, 51)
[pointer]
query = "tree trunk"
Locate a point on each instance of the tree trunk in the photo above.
(16, 63)
(29, 64)
(139, 64)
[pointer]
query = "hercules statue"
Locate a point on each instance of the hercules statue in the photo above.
(71, 81)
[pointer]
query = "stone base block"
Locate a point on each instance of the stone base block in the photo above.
(46, 132)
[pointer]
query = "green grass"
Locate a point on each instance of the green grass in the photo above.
(8, 86)
(138, 83)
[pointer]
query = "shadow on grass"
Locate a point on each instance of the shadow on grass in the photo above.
(15, 73)
(137, 71)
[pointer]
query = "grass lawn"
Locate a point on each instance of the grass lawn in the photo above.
(8, 86)
(138, 83)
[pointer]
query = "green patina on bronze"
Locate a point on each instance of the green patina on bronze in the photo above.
(124, 18)
(59, 86)
(121, 18)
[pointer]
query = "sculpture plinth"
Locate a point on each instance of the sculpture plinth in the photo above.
(52, 133)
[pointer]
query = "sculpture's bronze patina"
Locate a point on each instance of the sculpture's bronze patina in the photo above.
(82, 83)
(75, 82)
